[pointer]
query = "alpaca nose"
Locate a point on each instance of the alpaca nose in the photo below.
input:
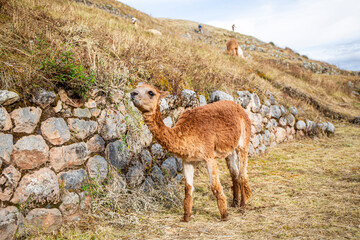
(133, 94)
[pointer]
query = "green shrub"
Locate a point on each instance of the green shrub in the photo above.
(67, 74)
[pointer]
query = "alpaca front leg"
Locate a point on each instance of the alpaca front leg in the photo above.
(217, 189)
(188, 170)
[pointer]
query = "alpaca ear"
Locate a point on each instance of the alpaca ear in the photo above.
(164, 94)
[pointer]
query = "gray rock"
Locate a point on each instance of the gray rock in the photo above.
(251, 150)
(82, 113)
(157, 151)
(96, 144)
(282, 122)
(244, 98)
(5, 120)
(266, 138)
(275, 111)
(146, 158)
(267, 103)
(112, 124)
(6, 148)
(39, 187)
(73, 179)
(95, 112)
(117, 154)
(255, 103)
(179, 164)
(202, 100)
(265, 111)
(168, 121)
(43, 220)
(293, 111)
(44, 98)
(91, 104)
(158, 176)
(330, 129)
(290, 119)
(283, 110)
(172, 101)
(220, 96)
(81, 129)
(8, 97)
(97, 168)
(322, 126)
(58, 106)
(116, 95)
(68, 156)
(256, 122)
(135, 176)
(310, 125)
(55, 130)
(70, 203)
(169, 166)
(30, 152)
(10, 220)
(137, 140)
(26, 119)
(148, 185)
(163, 105)
(300, 125)
(9, 180)
(271, 98)
(189, 98)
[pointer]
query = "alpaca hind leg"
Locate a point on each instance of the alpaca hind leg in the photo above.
(217, 189)
(243, 177)
(237, 53)
(231, 162)
(188, 171)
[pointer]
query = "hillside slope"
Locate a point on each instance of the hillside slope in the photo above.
(80, 44)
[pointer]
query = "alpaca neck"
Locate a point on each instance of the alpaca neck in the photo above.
(165, 136)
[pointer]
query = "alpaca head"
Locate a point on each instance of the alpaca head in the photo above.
(146, 98)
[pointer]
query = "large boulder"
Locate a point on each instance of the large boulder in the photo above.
(189, 98)
(117, 154)
(43, 220)
(135, 175)
(169, 166)
(275, 111)
(73, 179)
(10, 221)
(30, 152)
(39, 187)
(26, 119)
(112, 124)
(6, 148)
(5, 120)
(55, 130)
(220, 96)
(280, 135)
(70, 203)
(81, 129)
(97, 168)
(96, 144)
(9, 180)
(68, 156)
(244, 98)
(8, 97)
(43, 97)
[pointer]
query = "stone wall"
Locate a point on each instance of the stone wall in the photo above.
(52, 145)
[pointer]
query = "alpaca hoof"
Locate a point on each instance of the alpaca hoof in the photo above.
(225, 217)
(185, 219)
(235, 204)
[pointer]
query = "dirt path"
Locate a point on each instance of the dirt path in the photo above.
(308, 189)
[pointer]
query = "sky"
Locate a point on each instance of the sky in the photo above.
(326, 30)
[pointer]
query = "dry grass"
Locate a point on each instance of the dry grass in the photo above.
(301, 190)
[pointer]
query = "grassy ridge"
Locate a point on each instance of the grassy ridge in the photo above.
(108, 47)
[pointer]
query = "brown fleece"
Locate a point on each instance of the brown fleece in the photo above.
(232, 47)
(188, 202)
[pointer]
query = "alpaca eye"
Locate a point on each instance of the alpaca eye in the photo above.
(151, 93)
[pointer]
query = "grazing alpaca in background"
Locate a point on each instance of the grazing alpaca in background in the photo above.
(232, 47)
(218, 130)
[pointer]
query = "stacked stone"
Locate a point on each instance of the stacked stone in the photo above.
(51, 149)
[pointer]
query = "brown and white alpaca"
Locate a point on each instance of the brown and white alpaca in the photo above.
(217, 130)
(232, 47)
